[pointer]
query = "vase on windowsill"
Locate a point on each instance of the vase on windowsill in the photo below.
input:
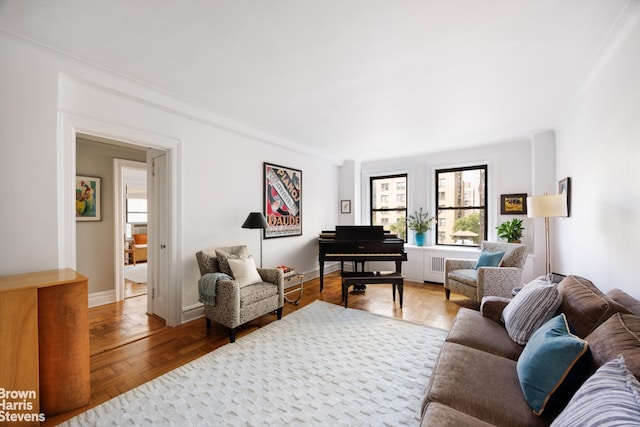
(420, 222)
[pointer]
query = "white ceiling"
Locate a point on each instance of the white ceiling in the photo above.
(354, 79)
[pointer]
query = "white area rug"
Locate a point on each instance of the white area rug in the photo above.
(136, 273)
(321, 365)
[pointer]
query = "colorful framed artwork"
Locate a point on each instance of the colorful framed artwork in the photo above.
(513, 204)
(282, 201)
(564, 187)
(88, 196)
(345, 206)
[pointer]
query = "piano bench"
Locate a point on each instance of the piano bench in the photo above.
(372, 278)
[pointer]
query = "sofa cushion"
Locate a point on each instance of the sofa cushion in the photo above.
(489, 259)
(549, 365)
(439, 415)
(257, 292)
(472, 329)
(468, 276)
(585, 305)
(618, 335)
(625, 300)
(234, 252)
(244, 271)
(482, 385)
(534, 305)
(610, 397)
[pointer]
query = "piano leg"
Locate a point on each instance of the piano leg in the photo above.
(399, 266)
(321, 263)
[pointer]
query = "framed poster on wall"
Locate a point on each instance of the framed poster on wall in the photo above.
(282, 201)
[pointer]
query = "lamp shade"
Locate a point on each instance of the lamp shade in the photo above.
(255, 220)
(547, 206)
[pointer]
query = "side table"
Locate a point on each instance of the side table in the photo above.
(293, 282)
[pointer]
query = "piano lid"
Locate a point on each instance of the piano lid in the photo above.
(360, 232)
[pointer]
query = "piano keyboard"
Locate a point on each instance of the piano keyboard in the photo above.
(365, 254)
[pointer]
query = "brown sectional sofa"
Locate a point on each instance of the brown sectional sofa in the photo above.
(475, 382)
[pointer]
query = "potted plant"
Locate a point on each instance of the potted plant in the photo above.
(420, 223)
(511, 231)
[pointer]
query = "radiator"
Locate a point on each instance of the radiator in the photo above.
(437, 264)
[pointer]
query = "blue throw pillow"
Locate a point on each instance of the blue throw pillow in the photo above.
(489, 259)
(552, 366)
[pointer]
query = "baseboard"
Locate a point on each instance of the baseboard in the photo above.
(192, 312)
(102, 298)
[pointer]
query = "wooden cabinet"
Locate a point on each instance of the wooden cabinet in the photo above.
(44, 331)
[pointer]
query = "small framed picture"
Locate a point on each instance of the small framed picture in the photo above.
(513, 204)
(88, 198)
(345, 206)
(564, 187)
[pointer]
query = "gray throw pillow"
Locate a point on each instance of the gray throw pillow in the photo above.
(610, 397)
(234, 252)
(531, 308)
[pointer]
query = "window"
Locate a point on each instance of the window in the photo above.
(462, 207)
(392, 218)
(136, 211)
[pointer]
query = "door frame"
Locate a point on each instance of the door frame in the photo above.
(119, 193)
(69, 125)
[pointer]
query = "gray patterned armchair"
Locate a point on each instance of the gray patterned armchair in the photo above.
(461, 277)
(236, 304)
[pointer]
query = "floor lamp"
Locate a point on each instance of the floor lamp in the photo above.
(253, 221)
(547, 206)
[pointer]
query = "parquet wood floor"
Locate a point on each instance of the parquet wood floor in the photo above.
(157, 349)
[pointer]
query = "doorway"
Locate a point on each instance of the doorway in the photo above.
(70, 127)
(109, 248)
(134, 219)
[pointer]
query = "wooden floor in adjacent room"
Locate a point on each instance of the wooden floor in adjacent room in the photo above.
(129, 348)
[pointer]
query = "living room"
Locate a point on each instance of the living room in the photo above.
(594, 145)
(585, 127)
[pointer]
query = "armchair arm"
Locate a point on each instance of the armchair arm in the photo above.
(271, 275)
(275, 276)
(226, 309)
(491, 307)
(498, 281)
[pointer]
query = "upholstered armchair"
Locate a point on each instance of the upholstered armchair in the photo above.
(462, 277)
(139, 248)
(237, 300)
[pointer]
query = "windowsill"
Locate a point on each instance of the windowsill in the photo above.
(473, 249)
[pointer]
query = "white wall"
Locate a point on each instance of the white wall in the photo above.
(599, 148)
(509, 168)
(220, 164)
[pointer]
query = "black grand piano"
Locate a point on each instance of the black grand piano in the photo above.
(359, 243)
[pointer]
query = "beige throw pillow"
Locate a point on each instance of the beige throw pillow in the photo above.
(244, 271)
